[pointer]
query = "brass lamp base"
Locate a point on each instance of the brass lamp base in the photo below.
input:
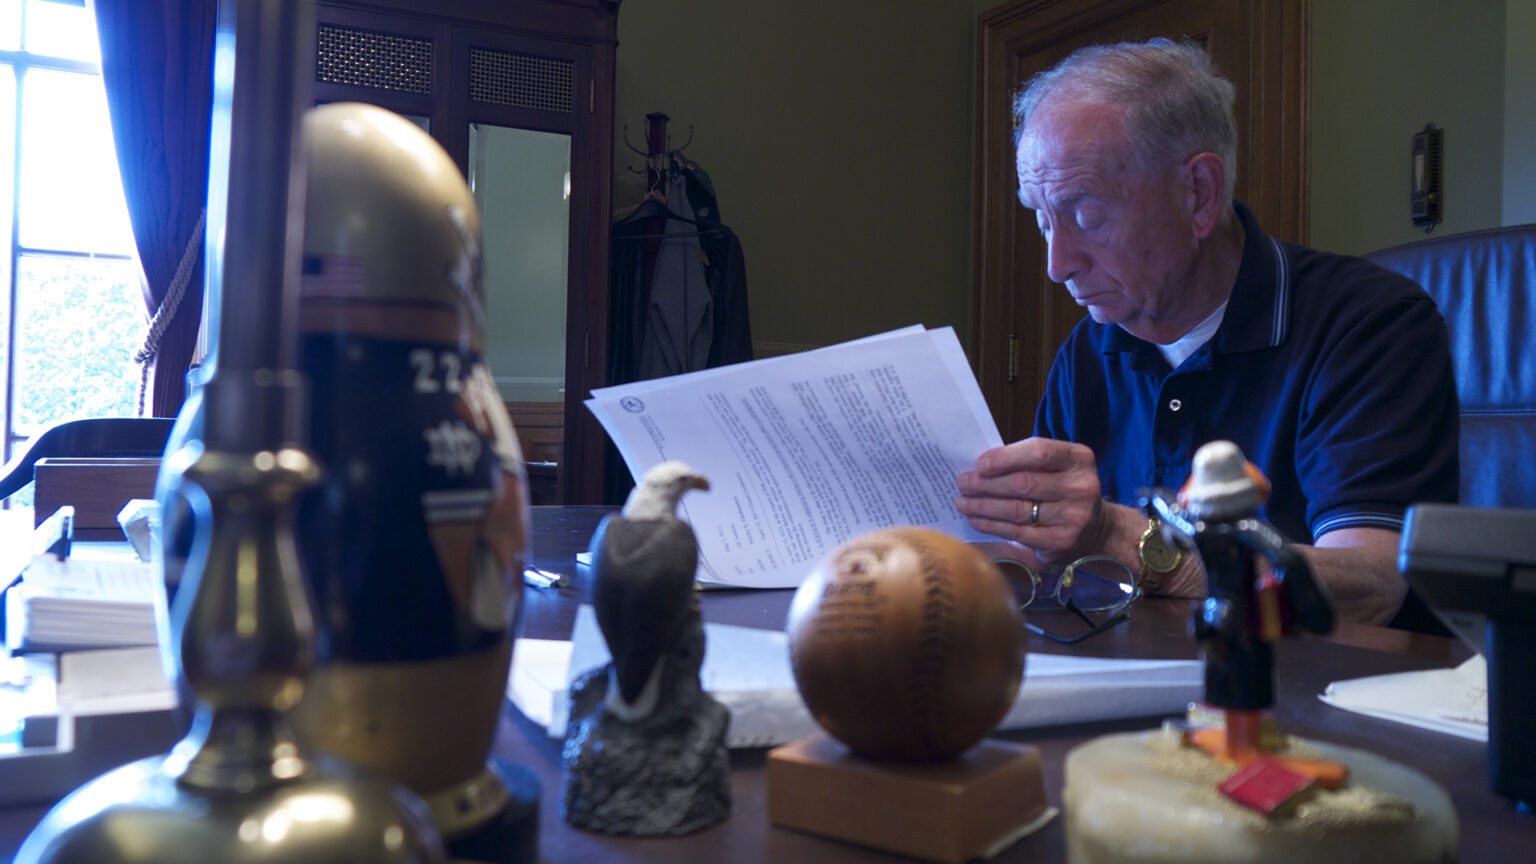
(141, 813)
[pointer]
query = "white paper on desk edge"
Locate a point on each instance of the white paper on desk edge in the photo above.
(748, 671)
(785, 461)
(1440, 700)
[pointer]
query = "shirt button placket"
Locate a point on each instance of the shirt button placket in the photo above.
(1171, 433)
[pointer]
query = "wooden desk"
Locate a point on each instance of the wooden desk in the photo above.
(1491, 829)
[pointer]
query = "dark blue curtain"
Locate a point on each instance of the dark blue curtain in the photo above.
(157, 66)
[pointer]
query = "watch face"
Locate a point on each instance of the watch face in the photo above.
(1156, 554)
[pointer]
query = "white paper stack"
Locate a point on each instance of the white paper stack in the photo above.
(1442, 700)
(81, 604)
(748, 671)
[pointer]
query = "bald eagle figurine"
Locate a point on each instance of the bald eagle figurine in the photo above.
(643, 564)
(645, 750)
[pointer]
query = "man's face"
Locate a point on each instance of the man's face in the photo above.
(1116, 235)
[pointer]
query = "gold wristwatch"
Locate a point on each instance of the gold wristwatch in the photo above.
(1158, 556)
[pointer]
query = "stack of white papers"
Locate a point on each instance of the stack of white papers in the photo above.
(748, 671)
(807, 451)
(78, 604)
(1443, 700)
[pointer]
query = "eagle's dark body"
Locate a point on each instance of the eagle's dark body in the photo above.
(642, 591)
(645, 747)
(643, 563)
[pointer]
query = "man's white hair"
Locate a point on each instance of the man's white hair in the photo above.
(1174, 101)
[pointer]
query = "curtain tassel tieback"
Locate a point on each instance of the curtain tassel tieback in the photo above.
(168, 306)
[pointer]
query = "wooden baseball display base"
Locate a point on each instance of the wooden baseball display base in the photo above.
(971, 806)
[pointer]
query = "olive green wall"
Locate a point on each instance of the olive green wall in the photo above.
(1381, 69)
(838, 136)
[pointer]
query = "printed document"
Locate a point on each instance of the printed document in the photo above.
(806, 451)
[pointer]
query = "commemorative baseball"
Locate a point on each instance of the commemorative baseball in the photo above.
(907, 645)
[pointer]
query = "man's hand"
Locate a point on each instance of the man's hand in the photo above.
(1356, 565)
(1041, 493)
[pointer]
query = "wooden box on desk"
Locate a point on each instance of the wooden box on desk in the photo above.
(97, 488)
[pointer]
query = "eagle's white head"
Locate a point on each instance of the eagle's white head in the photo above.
(657, 495)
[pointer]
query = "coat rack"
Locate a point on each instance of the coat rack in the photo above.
(659, 153)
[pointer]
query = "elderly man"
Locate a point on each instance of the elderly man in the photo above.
(1332, 375)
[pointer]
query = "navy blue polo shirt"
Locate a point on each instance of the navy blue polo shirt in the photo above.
(1332, 374)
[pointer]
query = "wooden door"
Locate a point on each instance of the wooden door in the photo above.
(1262, 46)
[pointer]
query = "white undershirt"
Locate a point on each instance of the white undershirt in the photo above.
(1178, 351)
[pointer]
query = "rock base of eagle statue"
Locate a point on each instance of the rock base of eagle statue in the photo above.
(645, 747)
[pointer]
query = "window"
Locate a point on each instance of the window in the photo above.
(73, 314)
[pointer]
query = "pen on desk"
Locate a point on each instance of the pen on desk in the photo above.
(539, 578)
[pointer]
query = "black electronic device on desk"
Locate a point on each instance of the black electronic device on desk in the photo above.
(1483, 561)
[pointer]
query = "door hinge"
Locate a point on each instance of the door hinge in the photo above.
(1013, 359)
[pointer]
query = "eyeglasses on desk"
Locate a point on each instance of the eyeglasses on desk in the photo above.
(1097, 589)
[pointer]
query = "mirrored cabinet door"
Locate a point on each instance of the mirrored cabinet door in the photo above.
(521, 180)
(520, 94)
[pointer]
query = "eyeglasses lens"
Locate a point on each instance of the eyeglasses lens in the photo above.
(1097, 584)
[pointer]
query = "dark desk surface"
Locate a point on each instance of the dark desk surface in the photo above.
(1490, 827)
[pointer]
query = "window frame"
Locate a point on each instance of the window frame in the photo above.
(22, 61)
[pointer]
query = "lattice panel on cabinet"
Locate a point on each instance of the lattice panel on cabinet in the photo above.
(364, 58)
(522, 80)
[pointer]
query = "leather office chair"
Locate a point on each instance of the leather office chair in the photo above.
(95, 437)
(1485, 285)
